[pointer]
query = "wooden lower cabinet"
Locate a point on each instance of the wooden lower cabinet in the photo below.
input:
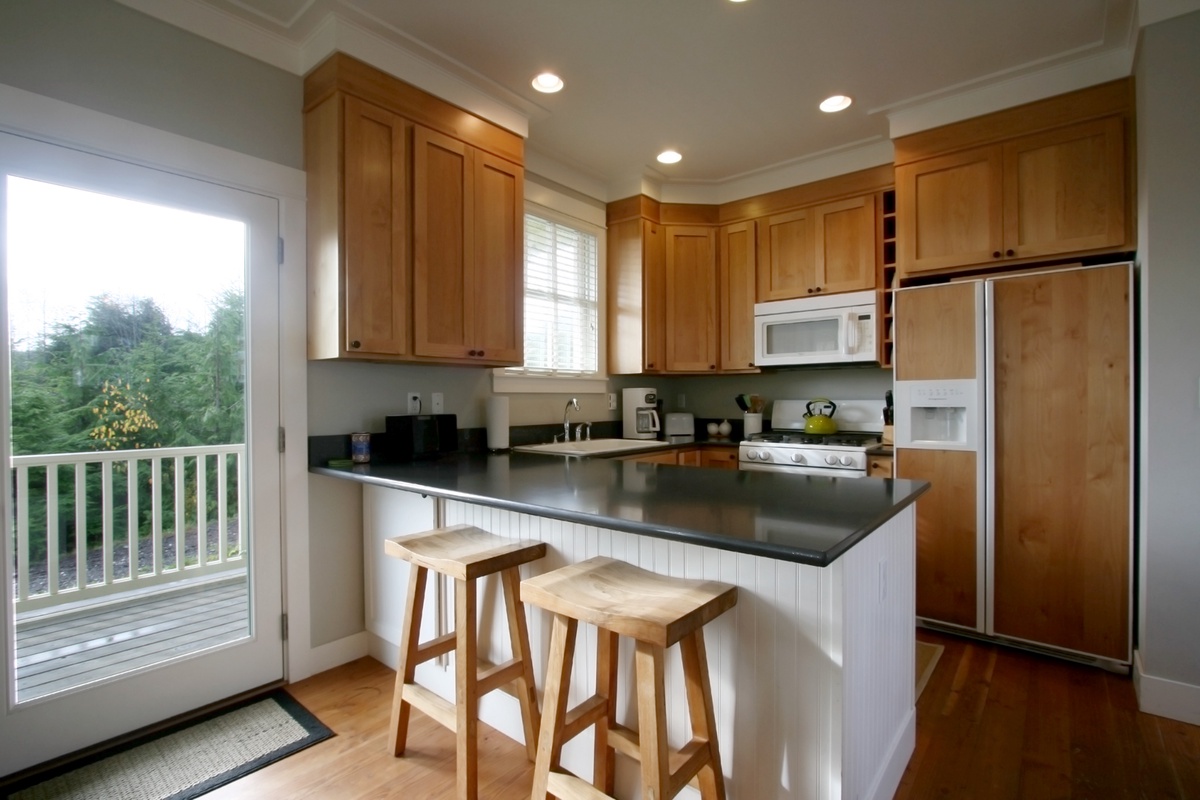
(719, 457)
(879, 466)
(690, 456)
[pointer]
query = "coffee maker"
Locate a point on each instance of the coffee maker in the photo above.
(639, 413)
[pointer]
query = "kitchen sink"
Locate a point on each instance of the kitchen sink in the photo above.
(591, 447)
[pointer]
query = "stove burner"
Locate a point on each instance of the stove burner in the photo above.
(841, 439)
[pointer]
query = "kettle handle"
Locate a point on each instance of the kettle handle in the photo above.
(825, 400)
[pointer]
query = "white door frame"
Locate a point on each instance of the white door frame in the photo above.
(55, 122)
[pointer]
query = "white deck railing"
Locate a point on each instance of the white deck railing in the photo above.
(178, 483)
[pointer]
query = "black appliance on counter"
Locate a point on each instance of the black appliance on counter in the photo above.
(413, 436)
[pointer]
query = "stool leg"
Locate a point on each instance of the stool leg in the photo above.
(554, 703)
(466, 672)
(603, 756)
(518, 634)
(700, 709)
(405, 670)
(652, 722)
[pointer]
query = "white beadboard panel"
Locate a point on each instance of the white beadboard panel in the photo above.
(812, 675)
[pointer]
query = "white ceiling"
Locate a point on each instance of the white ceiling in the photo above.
(734, 87)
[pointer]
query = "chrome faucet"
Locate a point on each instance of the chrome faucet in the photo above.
(580, 428)
(572, 403)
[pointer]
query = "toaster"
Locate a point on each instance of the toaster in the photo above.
(679, 428)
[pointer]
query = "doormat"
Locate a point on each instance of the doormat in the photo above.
(189, 759)
(927, 658)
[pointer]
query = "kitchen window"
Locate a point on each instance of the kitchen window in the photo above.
(562, 307)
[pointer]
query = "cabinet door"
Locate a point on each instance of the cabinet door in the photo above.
(845, 245)
(879, 467)
(496, 279)
(443, 241)
(950, 210)
(635, 297)
(688, 457)
(736, 283)
(1062, 528)
(786, 256)
(376, 273)
(1064, 190)
(719, 457)
(654, 300)
(948, 557)
(691, 299)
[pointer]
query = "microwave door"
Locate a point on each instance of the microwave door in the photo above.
(802, 338)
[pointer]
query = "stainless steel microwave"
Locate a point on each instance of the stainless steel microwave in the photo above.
(832, 329)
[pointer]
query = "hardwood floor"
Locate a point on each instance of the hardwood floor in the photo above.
(992, 723)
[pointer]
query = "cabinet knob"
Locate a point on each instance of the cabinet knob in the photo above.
(355, 344)
(817, 289)
(995, 254)
(1009, 253)
(810, 290)
(480, 353)
(650, 365)
(750, 364)
(712, 366)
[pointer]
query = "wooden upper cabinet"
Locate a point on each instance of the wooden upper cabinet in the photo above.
(1064, 190)
(635, 297)
(938, 329)
(467, 223)
(358, 275)
(823, 249)
(845, 244)
(787, 255)
(736, 285)
(414, 235)
(691, 299)
(1044, 180)
(950, 210)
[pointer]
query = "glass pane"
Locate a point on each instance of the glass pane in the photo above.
(128, 399)
(808, 336)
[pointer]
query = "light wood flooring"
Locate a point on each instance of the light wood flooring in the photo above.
(992, 722)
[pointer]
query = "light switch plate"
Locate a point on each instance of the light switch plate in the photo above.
(437, 403)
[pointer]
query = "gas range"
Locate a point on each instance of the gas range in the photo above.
(788, 448)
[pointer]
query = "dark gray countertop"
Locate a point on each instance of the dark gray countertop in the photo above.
(806, 519)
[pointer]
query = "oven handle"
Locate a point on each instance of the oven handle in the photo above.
(751, 466)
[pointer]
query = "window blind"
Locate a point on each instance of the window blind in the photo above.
(561, 303)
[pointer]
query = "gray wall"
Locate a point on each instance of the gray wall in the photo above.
(104, 56)
(1168, 94)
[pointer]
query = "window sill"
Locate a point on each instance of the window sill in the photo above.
(543, 384)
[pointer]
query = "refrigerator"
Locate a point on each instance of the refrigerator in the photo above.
(1014, 398)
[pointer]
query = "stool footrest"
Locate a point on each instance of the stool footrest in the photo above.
(624, 740)
(566, 786)
(493, 676)
(583, 716)
(434, 648)
(687, 762)
(433, 705)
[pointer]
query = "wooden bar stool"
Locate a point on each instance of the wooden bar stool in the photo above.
(464, 553)
(656, 611)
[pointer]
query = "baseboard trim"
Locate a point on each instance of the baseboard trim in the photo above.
(887, 781)
(1163, 697)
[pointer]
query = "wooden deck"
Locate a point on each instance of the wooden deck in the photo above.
(56, 651)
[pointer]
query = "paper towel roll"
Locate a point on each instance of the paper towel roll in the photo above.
(497, 423)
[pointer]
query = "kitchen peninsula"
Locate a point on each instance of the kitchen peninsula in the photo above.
(812, 671)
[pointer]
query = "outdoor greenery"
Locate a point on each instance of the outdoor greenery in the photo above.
(124, 379)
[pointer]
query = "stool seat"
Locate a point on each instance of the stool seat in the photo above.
(656, 611)
(629, 600)
(466, 554)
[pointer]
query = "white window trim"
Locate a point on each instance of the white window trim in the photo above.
(532, 383)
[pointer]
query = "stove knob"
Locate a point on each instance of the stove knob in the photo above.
(751, 455)
(847, 461)
(764, 455)
(831, 460)
(798, 458)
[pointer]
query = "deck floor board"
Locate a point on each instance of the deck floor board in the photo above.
(56, 652)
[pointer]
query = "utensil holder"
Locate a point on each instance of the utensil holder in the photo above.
(752, 424)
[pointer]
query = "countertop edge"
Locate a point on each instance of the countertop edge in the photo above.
(822, 558)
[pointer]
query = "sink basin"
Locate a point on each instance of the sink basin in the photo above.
(591, 447)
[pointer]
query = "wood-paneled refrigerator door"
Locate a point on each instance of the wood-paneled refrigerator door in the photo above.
(937, 336)
(1060, 441)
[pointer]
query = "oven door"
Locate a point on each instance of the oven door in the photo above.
(754, 466)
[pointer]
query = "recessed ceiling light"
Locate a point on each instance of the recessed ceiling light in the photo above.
(669, 157)
(838, 102)
(547, 82)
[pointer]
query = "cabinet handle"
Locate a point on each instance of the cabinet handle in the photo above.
(995, 254)
(355, 344)
(1009, 253)
(817, 289)
(810, 290)
(712, 366)
(650, 365)
(480, 353)
(750, 364)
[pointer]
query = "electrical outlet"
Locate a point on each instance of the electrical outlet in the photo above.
(414, 402)
(612, 401)
(437, 403)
